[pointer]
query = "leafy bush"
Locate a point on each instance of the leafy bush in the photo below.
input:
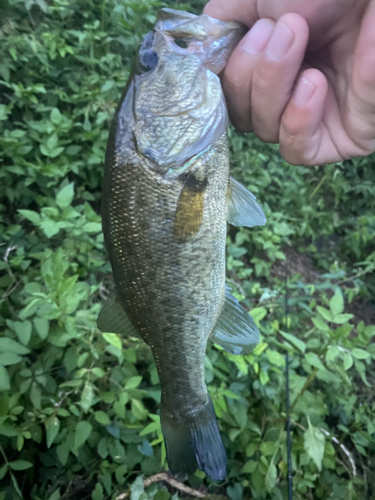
(78, 409)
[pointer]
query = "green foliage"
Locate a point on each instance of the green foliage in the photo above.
(79, 409)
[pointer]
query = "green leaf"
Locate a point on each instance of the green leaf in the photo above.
(20, 465)
(152, 427)
(133, 382)
(258, 313)
(113, 339)
(342, 318)
(52, 428)
(87, 398)
(262, 346)
(55, 495)
(235, 492)
(23, 330)
(348, 361)
(332, 352)
(119, 409)
(15, 485)
(314, 360)
(120, 472)
(249, 467)
(325, 313)
(8, 430)
(102, 418)
(137, 489)
(4, 112)
(30, 215)
(83, 431)
(97, 494)
(42, 327)
(314, 442)
(52, 142)
(271, 476)
(62, 451)
(9, 358)
(360, 353)
(301, 346)
(138, 409)
(336, 304)
(275, 358)
(92, 227)
(4, 379)
(320, 324)
(145, 448)
(49, 227)
(55, 116)
(109, 84)
(3, 471)
(65, 197)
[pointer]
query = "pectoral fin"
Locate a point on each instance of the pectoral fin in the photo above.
(189, 213)
(243, 210)
(112, 318)
(235, 330)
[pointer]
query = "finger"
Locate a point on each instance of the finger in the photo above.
(244, 11)
(309, 117)
(275, 73)
(237, 75)
(359, 115)
(324, 18)
(261, 73)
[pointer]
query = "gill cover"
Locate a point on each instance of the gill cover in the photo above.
(178, 105)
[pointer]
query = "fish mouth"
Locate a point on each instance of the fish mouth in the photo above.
(213, 40)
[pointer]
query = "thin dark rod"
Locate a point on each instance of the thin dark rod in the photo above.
(288, 437)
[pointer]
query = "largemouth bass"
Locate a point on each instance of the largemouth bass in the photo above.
(167, 197)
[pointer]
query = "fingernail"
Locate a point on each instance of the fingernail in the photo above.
(303, 93)
(256, 39)
(280, 42)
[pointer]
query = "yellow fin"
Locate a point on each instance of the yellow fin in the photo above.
(189, 213)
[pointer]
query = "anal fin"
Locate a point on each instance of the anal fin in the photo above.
(235, 330)
(243, 210)
(112, 318)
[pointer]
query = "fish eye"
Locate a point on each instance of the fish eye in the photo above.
(148, 60)
(181, 43)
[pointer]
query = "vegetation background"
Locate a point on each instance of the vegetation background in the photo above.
(78, 409)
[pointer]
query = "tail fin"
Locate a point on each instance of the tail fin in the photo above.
(194, 442)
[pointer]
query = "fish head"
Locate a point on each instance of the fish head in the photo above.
(178, 105)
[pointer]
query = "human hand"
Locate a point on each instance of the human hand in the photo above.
(303, 76)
